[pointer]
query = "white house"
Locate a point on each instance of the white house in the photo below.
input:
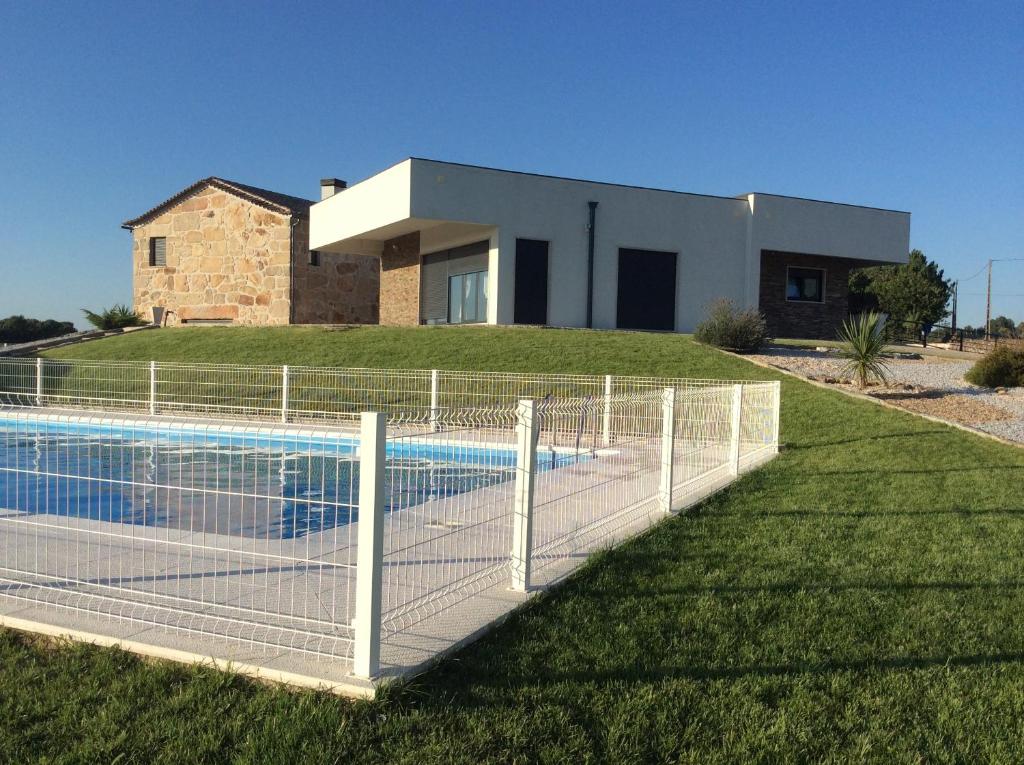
(466, 244)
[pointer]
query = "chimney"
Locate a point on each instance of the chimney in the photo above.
(331, 186)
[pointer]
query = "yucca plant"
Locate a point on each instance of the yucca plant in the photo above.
(864, 342)
(115, 317)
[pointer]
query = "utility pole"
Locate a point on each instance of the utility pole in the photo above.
(956, 286)
(988, 301)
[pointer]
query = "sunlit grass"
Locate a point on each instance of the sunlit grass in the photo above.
(859, 598)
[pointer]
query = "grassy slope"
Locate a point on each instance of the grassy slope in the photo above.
(859, 598)
(504, 350)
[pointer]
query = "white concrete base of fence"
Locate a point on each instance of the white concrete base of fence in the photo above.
(151, 644)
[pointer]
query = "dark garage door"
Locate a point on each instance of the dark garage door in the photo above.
(531, 306)
(647, 290)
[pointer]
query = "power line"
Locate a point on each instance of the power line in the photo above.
(980, 272)
(994, 294)
(982, 269)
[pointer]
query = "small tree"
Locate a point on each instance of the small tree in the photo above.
(916, 292)
(864, 342)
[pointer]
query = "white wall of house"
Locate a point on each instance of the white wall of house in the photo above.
(708, 233)
(789, 224)
(718, 239)
(367, 206)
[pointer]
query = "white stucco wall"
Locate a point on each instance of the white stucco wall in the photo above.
(718, 239)
(708, 233)
(369, 205)
(825, 228)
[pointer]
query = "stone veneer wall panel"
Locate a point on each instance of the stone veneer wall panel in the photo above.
(400, 281)
(343, 289)
(227, 259)
(806, 320)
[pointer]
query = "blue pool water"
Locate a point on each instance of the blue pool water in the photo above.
(205, 479)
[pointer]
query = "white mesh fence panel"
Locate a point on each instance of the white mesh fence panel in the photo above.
(222, 501)
(240, 532)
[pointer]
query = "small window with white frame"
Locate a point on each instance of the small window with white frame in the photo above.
(805, 285)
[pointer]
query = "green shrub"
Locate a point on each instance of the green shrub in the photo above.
(864, 339)
(1002, 368)
(732, 329)
(115, 317)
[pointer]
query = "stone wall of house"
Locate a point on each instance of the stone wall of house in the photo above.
(343, 289)
(787, 318)
(227, 259)
(400, 281)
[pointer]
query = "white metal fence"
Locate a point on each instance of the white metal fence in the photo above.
(328, 539)
(294, 393)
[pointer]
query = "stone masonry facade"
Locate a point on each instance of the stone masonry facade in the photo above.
(343, 289)
(788, 318)
(232, 260)
(400, 281)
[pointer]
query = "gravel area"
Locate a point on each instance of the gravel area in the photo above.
(928, 385)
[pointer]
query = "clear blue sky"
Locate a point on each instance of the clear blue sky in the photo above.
(107, 109)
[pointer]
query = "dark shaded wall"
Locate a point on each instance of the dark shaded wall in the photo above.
(788, 318)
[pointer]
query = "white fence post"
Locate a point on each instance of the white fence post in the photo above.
(668, 435)
(777, 414)
(522, 518)
(152, 387)
(284, 393)
(370, 549)
(736, 421)
(607, 410)
(434, 399)
(39, 381)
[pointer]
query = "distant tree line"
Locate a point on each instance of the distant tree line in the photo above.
(19, 329)
(1001, 326)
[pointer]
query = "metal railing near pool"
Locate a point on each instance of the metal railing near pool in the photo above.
(294, 393)
(373, 522)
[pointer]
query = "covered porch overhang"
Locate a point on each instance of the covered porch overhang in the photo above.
(408, 297)
(434, 235)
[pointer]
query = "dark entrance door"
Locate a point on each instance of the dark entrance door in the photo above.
(531, 301)
(647, 290)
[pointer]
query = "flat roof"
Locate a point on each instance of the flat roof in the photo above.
(574, 180)
(824, 202)
(651, 188)
(734, 198)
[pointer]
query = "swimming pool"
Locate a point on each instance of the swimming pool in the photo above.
(261, 483)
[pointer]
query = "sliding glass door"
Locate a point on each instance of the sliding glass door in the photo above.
(467, 298)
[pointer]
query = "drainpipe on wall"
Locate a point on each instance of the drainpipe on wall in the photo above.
(291, 269)
(591, 228)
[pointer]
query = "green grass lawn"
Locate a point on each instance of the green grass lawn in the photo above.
(486, 348)
(860, 598)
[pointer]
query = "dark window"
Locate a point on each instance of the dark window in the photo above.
(158, 251)
(805, 285)
(647, 290)
(531, 299)
(314, 257)
(467, 298)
